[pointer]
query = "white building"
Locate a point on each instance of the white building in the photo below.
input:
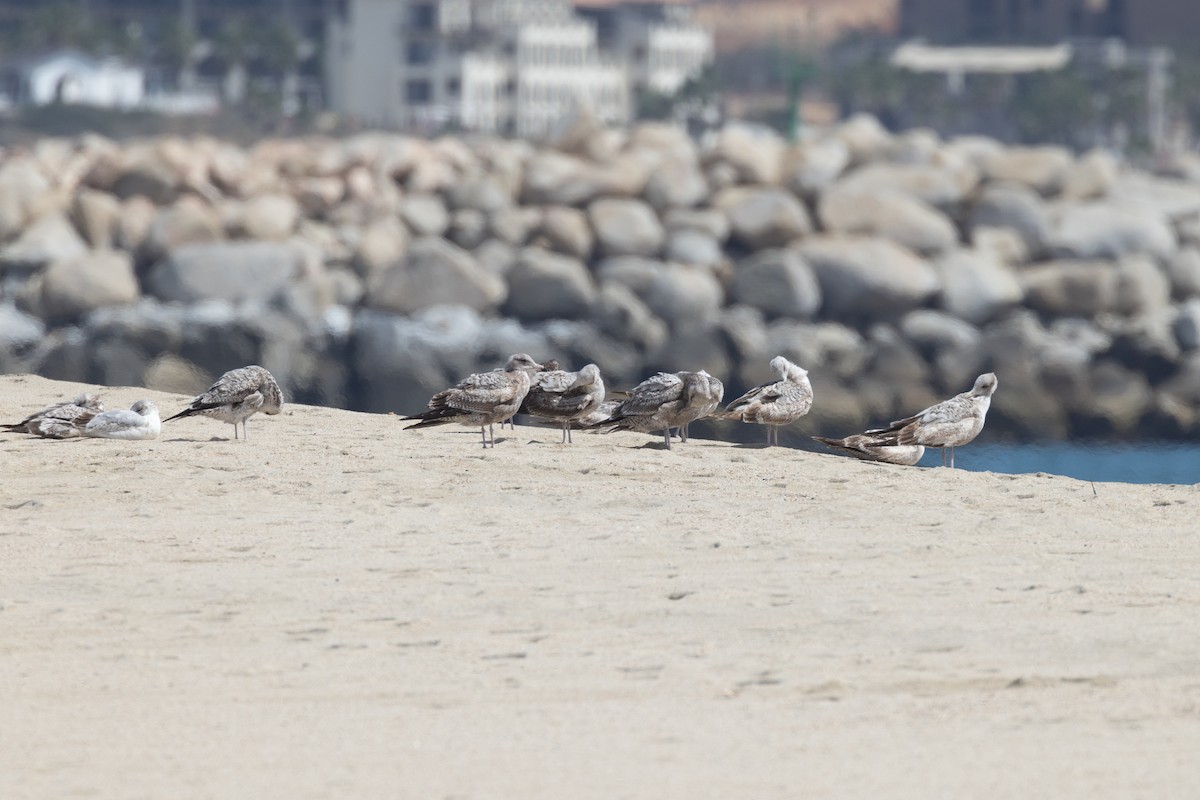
(510, 66)
(70, 77)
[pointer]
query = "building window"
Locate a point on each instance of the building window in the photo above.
(453, 87)
(423, 16)
(418, 92)
(420, 52)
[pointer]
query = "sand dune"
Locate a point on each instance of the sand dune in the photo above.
(339, 608)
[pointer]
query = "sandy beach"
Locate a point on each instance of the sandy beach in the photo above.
(340, 608)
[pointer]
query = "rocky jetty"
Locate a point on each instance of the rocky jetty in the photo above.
(371, 271)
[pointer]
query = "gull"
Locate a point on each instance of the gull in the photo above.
(949, 424)
(703, 402)
(871, 448)
(775, 404)
(564, 396)
(61, 421)
(139, 421)
(549, 365)
(664, 401)
(482, 399)
(236, 396)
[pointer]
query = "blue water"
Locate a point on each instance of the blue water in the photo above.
(1144, 462)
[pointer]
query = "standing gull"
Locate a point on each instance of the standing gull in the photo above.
(139, 421)
(949, 424)
(236, 396)
(872, 448)
(61, 421)
(775, 404)
(664, 401)
(482, 399)
(565, 396)
(703, 402)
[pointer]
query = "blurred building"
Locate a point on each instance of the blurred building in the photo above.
(72, 78)
(1138, 22)
(510, 66)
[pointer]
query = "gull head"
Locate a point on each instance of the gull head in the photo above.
(786, 369)
(522, 362)
(588, 375)
(144, 407)
(985, 385)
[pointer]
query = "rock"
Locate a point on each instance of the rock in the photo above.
(939, 187)
(318, 195)
(425, 214)
(495, 257)
(755, 152)
(760, 218)
(270, 217)
(746, 331)
(480, 192)
(682, 294)
(864, 137)
(52, 238)
(1016, 208)
(694, 346)
(1147, 344)
(693, 247)
(1186, 325)
(133, 223)
(381, 247)
(435, 272)
(1043, 169)
(621, 315)
(867, 277)
(146, 171)
(22, 185)
(1004, 244)
(18, 331)
(778, 283)
(1172, 199)
(1107, 231)
(889, 214)
(1071, 288)
(626, 227)
(546, 285)
(468, 228)
(95, 214)
(812, 167)
(1116, 401)
(188, 221)
(677, 183)
(232, 272)
(1183, 269)
(515, 225)
(73, 287)
(1091, 177)
(553, 178)
(710, 221)
(951, 345)
(635, 273)
(568, 231)
(829, 348)
(976, 286)
(1142, 287)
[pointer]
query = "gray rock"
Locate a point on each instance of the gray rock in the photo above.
(694, 346)
(778, 283)
(867, 277)
(95, 214)
(864, 137)
(134, 222)
(147, 172)
(515, 225)
(480, 192)
(1174, 199)
(746, 330)
(693, 247)
(435, 272)
(682, 294)
(568, 231)
(317, 196)
(1116, 401)
(52, 238)
(755, 152)
(18, 330)
(951, 345)
(22, 185)
(232, 272)
(1183, 268)
(269, 217)
(710, 221)
(812, 167)
(1147, 344)
(382, 246)
(425, 214)
(1107, 231)
(1186, 325)
(1012, 207)
(626, 227)
(828, 348)
(1091, 177)
(889, 214)
(189, 221)
(546, 285)
(621, 315)
(677, 183)
(763, 217)
(1071, 288)
(73, 287)
(1043, 169)
(976, 287)
(553, 178)
(636, 274)
(495, 257)
(468, 228)
(1142, 286)
(936, 186)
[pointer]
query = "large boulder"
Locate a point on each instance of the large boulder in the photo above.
(189, 221)
(234, 272)
(940, 187)
(22, 185)
(626, 227)
(514, 225)
(755, 153)
(95, 214)
(688, 246)
(269, 216)
(149, 171)
(425, 214)
(567, 230)
(381, 246)
(546, 285)
(435, 272)
(763, 217)
(676, 183)
(976, 286)
(710, 221)
(73, 287)
(480, 192)
(1183, 268)
(52, 238)
(1043, 169)
(812, 167)
(621, 314)
(1097, 230)
(1092, 176)
(1012, 207)
(684, 294)
(862, 278)
(1071, 288)
(890, 214)
(865, 138)
(778, 283)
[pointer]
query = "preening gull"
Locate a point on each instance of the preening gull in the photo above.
(872, 448)
(949, 424)
(703, 402)
(482, 399)
(236, 396)
(564, 396)
(549, 365)
(61, 421)
(664, 401)
(139, 421)
(775, 404)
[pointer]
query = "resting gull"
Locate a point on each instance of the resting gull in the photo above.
(61, 421)
(703, 402)
(664, 401)
(949, 424)
(549, 365)
(872, 448)
(775, 404)
(564, 396)
(482, 399)
(236, 396)
(139, 421)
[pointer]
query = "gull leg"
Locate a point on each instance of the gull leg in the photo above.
(245, 433)
(667, 437)
(483, 435)
(951, 458)
(492, 431)
(943, 456)
(235, 433)
(683, 431)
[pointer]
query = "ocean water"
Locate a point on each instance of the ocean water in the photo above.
(1142, 462)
